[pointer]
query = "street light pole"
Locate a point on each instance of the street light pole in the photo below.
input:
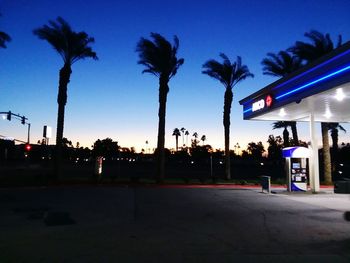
(20, 117)
(211, 165)
(28, 140)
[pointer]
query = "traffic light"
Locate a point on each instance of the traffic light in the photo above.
(23, 121)
(28, 147)
(9, 115)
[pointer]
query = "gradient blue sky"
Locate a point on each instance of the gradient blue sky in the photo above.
(111, 98)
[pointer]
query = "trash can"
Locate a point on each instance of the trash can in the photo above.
(342, 187)
(266, 183)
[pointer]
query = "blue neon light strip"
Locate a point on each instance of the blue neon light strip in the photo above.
(312, 69)
(306, 72)
(313, 82)
(247, 110)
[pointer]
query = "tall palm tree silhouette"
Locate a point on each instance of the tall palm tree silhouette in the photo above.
(187, 133)
(177, 133)
(229, 74)
(281, 65)
(160, 59)
(203, 139)
(195, 141)
(183, 137)
(71, 46)
(320, 45)
(4, 38)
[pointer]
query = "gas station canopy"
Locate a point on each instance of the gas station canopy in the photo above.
(321, 88)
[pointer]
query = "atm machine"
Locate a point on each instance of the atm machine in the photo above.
(296, 167)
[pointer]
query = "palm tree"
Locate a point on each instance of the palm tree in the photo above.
(4, 38)
(160, 59)
(293, 127)
(229, 74)
(177, 133)
(72, 46)
(320, 45)
(187, 133)
(334, 129)
(195, 141)
(281, 65)
(203, 139)
(183, 137)
(283, 125)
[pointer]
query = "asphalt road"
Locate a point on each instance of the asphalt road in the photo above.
(115, 224)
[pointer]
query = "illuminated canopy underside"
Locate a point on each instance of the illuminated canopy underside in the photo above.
(324, 106)
(321, 88)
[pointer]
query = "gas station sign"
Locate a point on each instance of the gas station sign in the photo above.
(263, 103)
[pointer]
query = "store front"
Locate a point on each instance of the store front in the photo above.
(318, 92)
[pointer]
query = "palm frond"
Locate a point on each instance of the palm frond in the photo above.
(3, 39)
(215, 70)
(335, 126)
(279, 125)
(159, 56)
(320, 45)
(280, 64)
(71, 46)
(228, 73)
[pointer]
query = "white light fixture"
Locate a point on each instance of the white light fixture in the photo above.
(328, 113)
(282, 112)
(339, 94)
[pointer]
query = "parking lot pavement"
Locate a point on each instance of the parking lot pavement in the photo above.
(327, 199)
(121, 224)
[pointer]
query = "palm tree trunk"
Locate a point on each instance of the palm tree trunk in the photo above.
(334, 155)
(65, 73)
(295, 133)
(177, 142)
(326, 154)
(334, 135)
(285, 137)
(226, 121)
(183, 139)
(160, 158)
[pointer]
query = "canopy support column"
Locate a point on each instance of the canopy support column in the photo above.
(313, 161)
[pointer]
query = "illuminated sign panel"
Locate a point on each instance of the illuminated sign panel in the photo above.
(262, 103)
(268, 101)
(47, 133)
(258, 105)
